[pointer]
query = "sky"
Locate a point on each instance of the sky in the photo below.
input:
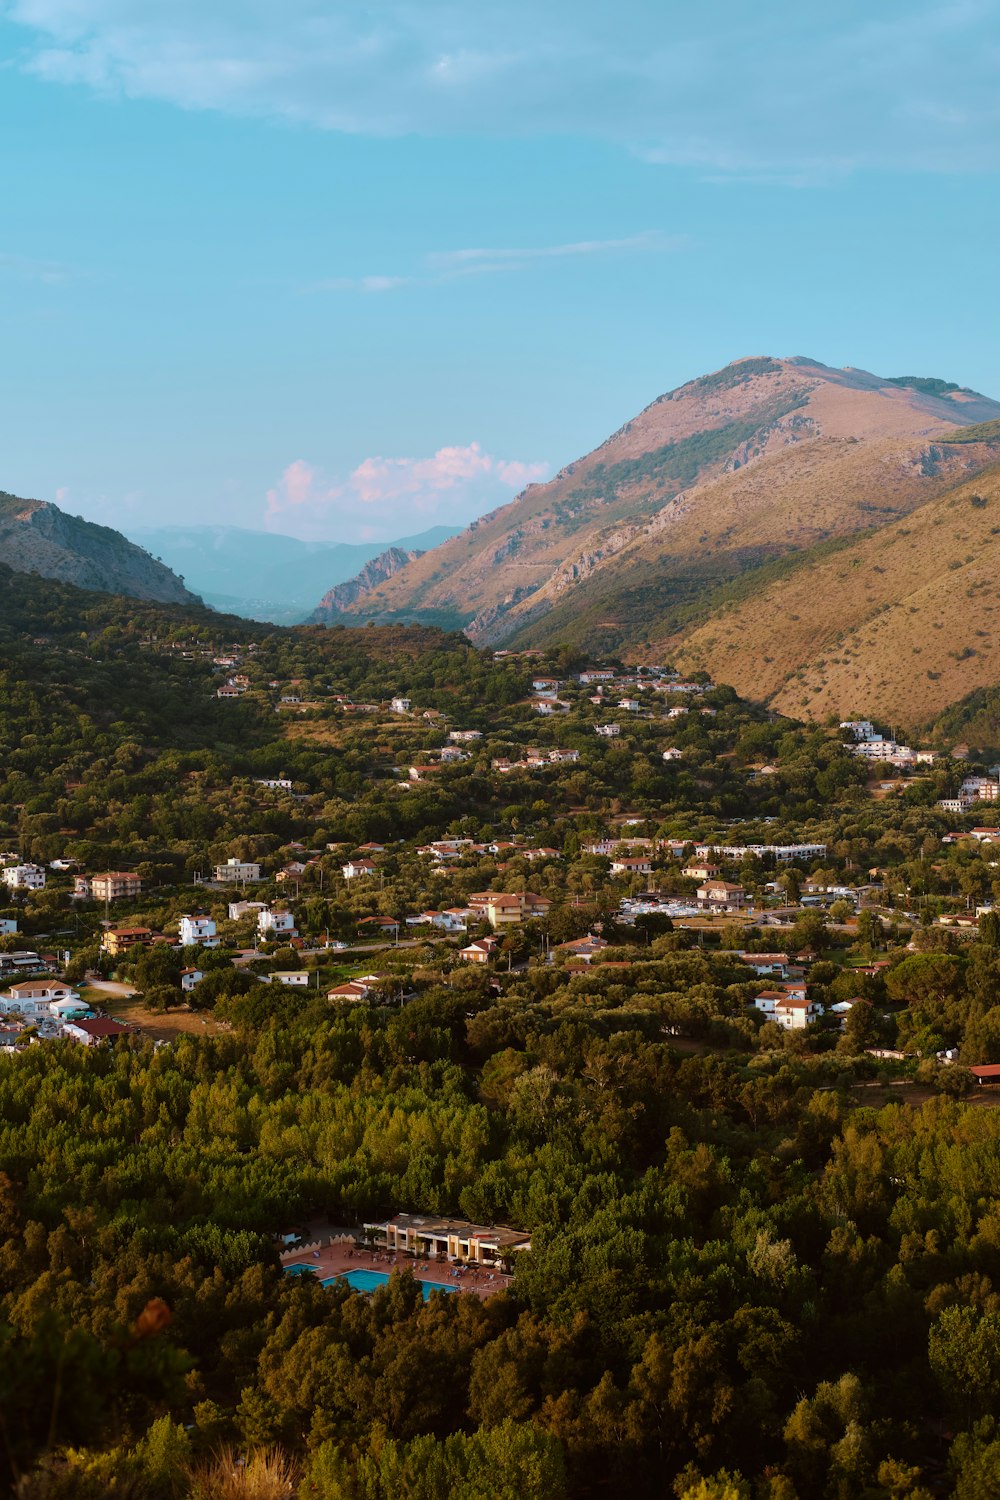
(347, 272)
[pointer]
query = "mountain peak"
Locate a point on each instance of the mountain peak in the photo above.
(726, 473)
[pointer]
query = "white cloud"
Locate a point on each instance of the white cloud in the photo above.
(723, 87)
(390, 497)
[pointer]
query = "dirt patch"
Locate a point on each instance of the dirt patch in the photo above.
(161, 1026)
(905, 1091)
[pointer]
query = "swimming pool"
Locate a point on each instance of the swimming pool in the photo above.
(298, 1268)
(370, 1281)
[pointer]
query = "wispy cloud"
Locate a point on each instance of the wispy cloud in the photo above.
(452, 265)
(29, 269)
(721, 87)
(384, 496)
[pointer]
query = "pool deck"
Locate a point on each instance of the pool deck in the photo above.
(332, 1260)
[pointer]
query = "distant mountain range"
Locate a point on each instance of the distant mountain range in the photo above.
(38, 537)
(713, 505)
(264, 576)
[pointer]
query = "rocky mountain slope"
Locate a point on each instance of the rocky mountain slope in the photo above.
(37, 537)
(726, 475)
(342, 596)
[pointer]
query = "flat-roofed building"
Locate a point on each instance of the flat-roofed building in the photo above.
(115, 885)
(236, 870)
(450, 1239)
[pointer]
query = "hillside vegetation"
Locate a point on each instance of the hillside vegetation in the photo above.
(901, 622)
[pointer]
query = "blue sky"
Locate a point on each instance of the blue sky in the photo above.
(348, 272)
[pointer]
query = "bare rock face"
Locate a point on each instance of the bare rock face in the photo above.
(38, 537)
(338, 600)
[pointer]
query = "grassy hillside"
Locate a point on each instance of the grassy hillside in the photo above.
(901, 622)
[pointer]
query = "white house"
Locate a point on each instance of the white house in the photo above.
(609, 731)
(861, 729)
(294, 978)
(238, 909)
(34, 998)
(236, 870)
(640, 865)
(274, 783)
(95, 1030)
(198, 930)
(274, 924)
(444, 921)
(24, 877)
(673, 753)
(795, 1012)
(8, 927)
(357, 869)
(189, 978)
(788, 1006)
(401, 705)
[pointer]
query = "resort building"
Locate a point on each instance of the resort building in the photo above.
(448, 1239)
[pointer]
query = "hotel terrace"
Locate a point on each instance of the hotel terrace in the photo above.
(448, 1239)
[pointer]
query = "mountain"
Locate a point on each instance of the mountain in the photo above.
(264, 576)
(726, 475)
(38, 537)
(340, 598)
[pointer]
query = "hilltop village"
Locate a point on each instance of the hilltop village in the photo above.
(612, 1047)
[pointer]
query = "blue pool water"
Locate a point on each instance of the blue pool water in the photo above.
(370, 1281)
(298, 1268)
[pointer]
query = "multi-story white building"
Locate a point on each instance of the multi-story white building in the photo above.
(115, 885)
(24, 878)
(861, 729)
(236, 870)
(275, 924)
(980, 788)
(198, 930)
